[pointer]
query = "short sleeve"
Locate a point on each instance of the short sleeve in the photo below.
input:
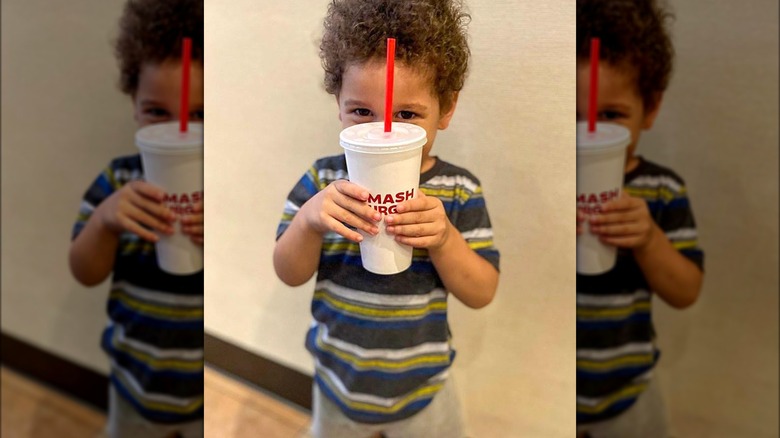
(464, 202)
(104, 186)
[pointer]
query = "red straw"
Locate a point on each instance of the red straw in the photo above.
(389, 84)
(594, 83)
(184, 109)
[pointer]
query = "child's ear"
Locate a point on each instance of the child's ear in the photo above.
(446, 116)
(652, 112)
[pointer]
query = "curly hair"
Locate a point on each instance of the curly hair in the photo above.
(634, 35)
(430, 38)
(151, 31)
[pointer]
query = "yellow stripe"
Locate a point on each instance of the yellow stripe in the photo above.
(320, 184)
(480, 244)
(112, 179)
(684, 244)
(616, 312)
(183, 313)
(378, 364)
(628, 392)
(83, 217)
(143, 247)
(397, 313)
(163, 407)
(367, 407)
(347, 246)
(663, 193)
(453, 194)
(644, 359)
(160, 364)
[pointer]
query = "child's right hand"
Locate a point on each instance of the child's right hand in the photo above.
(340, 203)
(136, 204)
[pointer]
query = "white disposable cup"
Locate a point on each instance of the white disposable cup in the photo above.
(387, 164)
(173, 161)
(601, 158)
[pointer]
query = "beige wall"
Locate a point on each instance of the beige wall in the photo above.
(63, 119)
(719, 129)
(513, 128)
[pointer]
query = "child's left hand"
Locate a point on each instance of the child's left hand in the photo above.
(192, 224)
(624, 222)
(420, 222)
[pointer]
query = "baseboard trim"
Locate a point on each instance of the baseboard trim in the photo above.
(69, 377)
(91, 387)
(285, 382)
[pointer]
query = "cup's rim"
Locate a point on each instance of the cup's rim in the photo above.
(165, 138)
(608, 137)
(370, 138)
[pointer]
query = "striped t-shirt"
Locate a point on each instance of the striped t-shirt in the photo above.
(154, 335)
(381, 343)
(616, 352)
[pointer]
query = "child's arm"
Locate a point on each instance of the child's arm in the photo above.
(93, 251)
(297, 251)
(192, 224)
(626, 223)
(423, 223)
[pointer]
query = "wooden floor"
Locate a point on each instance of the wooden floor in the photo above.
(233, 410)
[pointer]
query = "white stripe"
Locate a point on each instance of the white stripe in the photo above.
(125, 175)
(682, 234)
(452, 181)
(159, 297)
(478, 233)
(612, 300)
(611, 353)
(291, 207)
(368, 398)
(86, 207)
(379, 299)
(400, 354)
(592, 402)
(155, 352)
(331, 175)
(647, 181)
(128, 378)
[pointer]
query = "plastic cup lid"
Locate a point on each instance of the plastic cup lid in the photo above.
(607, 137)
(371, 138)
(165, 138)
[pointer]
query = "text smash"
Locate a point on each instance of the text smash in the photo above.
(388, 203)
(591, 202)
(182, 203)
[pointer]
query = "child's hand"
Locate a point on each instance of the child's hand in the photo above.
(136, 204)
(341, 202)
(624, 222)
(420, 222)
(192, 224)
(580, 220)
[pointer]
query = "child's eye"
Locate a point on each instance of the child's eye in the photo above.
(406, 115)
(610, 115)
(362, 112)
(156, 112)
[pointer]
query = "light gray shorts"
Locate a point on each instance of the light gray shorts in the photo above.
(440, 419)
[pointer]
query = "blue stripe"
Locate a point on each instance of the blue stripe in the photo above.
(362, 417)
(108, 347)
(601, 324)
(156, 416)
(120, 313)
(308, 182)
(322, 313)
(104, 184)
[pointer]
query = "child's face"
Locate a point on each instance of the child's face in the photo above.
(157, 99)
(362, 100)
(618, 102)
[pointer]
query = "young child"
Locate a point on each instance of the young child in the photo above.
(381, 344)
(651, 224)
(155, 332)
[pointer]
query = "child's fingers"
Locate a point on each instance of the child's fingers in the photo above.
(139, 215)
(619, 229)
(198, 207)
(133, 227)
(344, 216)
(351, 189)
(353, 208)
(192, 219)
(621, 241)
(148, 190)
(152, 207)
(414, 230)
(194, 230)
(341, 229)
